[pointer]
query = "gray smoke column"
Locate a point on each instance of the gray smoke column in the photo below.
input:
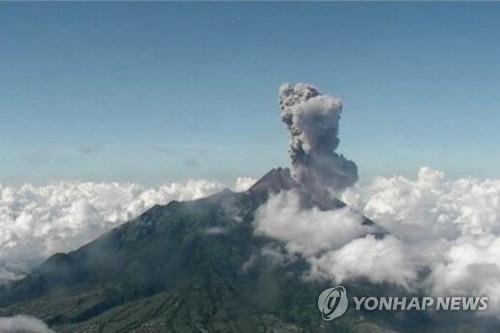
(313, 121)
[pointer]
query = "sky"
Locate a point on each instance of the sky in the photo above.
(156, 92)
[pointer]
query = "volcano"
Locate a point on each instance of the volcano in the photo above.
(195, 266)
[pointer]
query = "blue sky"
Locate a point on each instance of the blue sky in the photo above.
(153, 92)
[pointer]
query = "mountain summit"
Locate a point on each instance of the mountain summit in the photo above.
(184, 267)
(208, 265)
(195, 266)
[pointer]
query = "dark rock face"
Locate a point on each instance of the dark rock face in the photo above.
(274, 181)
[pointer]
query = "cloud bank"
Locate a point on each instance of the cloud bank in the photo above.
(36, 222)
(23, 324)
(448, 228)
(308, 231)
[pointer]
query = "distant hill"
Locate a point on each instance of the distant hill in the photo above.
(198, 266)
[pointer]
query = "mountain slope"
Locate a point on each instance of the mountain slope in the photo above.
(189, 267)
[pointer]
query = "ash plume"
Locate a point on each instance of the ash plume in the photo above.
(313, 121)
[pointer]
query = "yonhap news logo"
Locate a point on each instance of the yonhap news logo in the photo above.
(333, 303)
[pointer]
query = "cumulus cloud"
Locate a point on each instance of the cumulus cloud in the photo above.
(36, 222)
(377, 260)
(313, 121)
(23, 324)
(451, 226)
(447, 228)
(308, 231)
(335, 242)
(244, 183)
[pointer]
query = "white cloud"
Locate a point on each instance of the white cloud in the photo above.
(378, 260)
(23, 324)
(244, 183)
(452, 227)
(336, 243)
(308, 231)
(36, 222)
(449, 227)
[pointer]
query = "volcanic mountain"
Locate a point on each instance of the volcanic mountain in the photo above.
(195, 266)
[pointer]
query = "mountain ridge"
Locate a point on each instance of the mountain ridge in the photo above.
(193, 266)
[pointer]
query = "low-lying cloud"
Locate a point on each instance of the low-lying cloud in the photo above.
(308, 231)
(447, 228)
(23, 324)
(36, 222)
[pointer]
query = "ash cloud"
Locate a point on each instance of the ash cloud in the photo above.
(313, 121)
